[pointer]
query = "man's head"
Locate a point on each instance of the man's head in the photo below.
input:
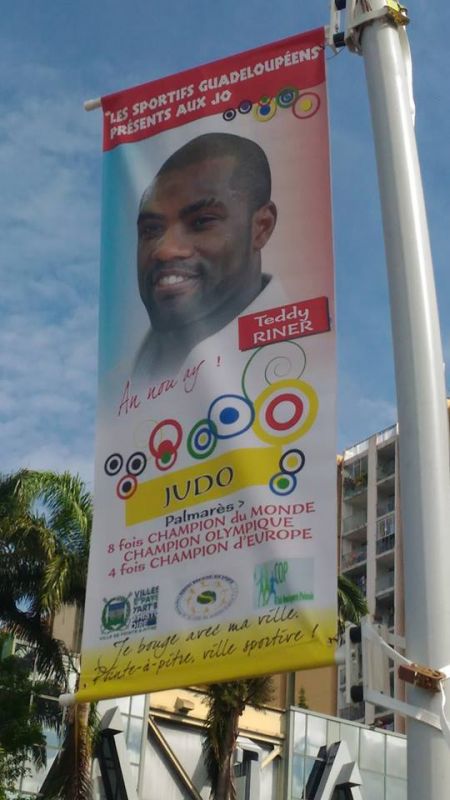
(201, 227)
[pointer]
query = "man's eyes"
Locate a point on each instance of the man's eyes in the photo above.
(203, 221)
(154, 230)
(150, 230)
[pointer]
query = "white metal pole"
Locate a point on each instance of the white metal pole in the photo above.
(422, 411)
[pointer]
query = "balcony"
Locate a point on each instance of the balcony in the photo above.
(355, 556)
(384, 583)
(354, 485)
(385, 469)
(354, 712)
(385, 543)
(386, 507)
(386, 526)
(355, 521)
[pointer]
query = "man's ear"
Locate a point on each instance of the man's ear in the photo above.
(264, 221)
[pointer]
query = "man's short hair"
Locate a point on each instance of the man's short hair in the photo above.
(252, 172)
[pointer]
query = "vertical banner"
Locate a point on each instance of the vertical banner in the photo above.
(214, 545)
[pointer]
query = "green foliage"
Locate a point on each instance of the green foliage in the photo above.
(23, 717)
(352, 604)
(45, 526)
(301, 702)
(226, 703)
(11, 770)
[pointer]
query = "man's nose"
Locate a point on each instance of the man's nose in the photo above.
(174, 243)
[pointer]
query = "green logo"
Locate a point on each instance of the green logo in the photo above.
(206, 597)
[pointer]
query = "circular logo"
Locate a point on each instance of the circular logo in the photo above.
(202, 439)
(306, 105)
(292, 461)
(285, 411)
(229, 114)
(230, 415)
(282, 483)
(136, 463)
(113, 464)
(126, 487)
(245, 106)
(116, 613)
(206, 597)
(287, 97)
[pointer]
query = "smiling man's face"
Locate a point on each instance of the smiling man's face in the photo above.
(198, 245)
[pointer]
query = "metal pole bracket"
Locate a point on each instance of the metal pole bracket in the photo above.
(360, 13)
(423, 677)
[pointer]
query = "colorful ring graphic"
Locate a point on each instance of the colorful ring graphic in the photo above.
(286, 97)
(306, 105)
(265, 109)
(283, 432)
(231, 415)
(126, 487)
(283, 483)
(166, 446)
(286, 424)
(229, 114)
(169, 423)
(202, 439)
(136, 463)
(292, 461)
(113, 464)
(265, 366)
(166, 460)
(245, 106)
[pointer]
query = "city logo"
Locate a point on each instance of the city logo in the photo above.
(206, 597)
(277, 583)
(116, 613)
(137, 612)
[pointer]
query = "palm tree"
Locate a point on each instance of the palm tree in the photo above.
(23, 716)
(70, 776)
(352, 604)
(227, 702)
(45, 526)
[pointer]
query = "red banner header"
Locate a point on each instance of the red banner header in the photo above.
(248, 82)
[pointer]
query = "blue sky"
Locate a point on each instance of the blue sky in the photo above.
(53, 56)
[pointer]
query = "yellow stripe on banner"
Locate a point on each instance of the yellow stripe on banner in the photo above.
(276, 640)
(218, 477)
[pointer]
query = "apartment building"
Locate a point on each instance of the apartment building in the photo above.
(370, 549)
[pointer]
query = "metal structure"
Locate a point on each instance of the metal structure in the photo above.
(375, 29)
(334, 775)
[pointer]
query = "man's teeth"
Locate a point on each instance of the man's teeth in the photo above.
(169, 280)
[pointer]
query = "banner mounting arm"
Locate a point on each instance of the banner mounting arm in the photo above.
(360, 13)
(92, 105)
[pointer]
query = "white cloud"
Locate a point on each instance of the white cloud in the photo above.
(362, 414)
(50, 158)
(49, 227)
